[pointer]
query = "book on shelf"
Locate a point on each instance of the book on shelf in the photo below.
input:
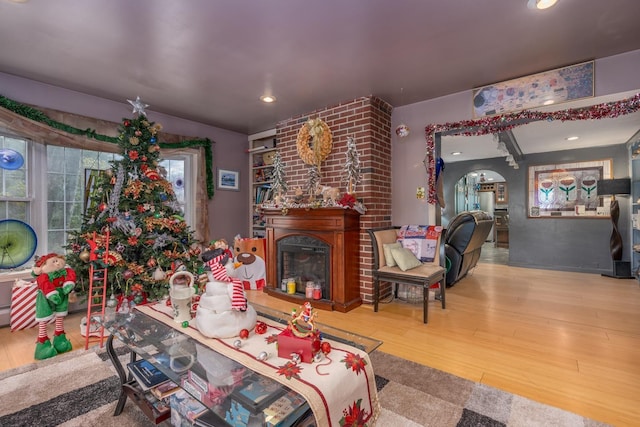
(165, 389)
(285, 411)
(258, 392)
(159, 405)
(185, 408)
(262, 194)
(146, 374)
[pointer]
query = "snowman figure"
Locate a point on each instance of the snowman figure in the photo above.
(223, 310)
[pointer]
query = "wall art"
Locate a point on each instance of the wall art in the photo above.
(549, 87)
(568, 190)
(228, 180)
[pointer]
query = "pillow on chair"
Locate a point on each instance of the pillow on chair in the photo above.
(388, 257)
(405, 259)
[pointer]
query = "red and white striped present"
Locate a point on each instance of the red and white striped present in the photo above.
(23, 305)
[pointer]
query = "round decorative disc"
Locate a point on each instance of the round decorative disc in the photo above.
(18, 243)
(10, 159)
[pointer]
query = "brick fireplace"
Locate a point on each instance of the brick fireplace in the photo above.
(368, 120)
(318, 246)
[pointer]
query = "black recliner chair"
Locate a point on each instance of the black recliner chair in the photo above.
(463, 242)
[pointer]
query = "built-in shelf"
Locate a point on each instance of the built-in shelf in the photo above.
(262, 146)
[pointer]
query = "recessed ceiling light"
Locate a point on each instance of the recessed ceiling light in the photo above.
(456, 153)
(540, 4)
(268, 99)
(548, 102)
(490, 179)
(473, 174)
(572, 138)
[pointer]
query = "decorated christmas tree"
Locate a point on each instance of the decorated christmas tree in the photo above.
(351, 170)
(313, 182)
(278, 180)
(135, 206)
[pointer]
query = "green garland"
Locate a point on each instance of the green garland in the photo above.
(38, 116)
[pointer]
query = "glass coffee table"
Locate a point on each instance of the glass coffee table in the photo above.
(212, 388)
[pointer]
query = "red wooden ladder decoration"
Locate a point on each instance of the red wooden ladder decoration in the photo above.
(97, 296)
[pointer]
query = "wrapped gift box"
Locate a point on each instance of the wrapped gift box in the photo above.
(306, 347)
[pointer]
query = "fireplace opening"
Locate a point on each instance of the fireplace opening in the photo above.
(305, 261)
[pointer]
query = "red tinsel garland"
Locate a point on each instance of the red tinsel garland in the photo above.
(495, 124)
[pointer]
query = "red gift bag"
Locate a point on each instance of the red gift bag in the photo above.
(23, 305)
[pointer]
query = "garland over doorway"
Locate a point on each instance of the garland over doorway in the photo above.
(496, 124)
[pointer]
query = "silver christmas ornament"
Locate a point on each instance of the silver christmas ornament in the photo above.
(237, 343)
(111, 302)
(263, 355)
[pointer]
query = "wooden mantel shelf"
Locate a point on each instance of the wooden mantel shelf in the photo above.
(340, 229)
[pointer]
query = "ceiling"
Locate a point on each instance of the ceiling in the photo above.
(210, 60)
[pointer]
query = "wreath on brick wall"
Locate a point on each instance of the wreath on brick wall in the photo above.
(314, 142)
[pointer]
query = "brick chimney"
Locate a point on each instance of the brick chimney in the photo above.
(368, 121)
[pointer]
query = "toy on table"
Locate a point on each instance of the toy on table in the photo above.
(249, 263)
(221, 244)
(301, 340)
(56, 282)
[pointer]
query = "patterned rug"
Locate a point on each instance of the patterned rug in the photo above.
(80, 389)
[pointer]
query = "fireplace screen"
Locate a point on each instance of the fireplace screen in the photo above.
(304, 260)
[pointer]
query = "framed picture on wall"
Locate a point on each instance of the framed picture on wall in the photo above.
(549, 87)
(568, 190)
(228, 180)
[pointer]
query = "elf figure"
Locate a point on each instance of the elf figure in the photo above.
(55, 286)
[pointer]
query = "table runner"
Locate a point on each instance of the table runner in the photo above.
(340, 389)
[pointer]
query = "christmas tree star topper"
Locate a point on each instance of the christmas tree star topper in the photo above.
(138, 105)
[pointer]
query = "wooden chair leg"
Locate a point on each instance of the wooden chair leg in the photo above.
(425, 298)
(376, 293)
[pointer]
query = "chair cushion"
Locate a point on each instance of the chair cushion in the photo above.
(405, 259)
(388, 257)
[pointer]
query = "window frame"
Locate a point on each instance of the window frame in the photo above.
(37, 196)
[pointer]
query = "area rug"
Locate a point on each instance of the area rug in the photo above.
(81, 388)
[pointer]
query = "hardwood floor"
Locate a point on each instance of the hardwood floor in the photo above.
(570, 340)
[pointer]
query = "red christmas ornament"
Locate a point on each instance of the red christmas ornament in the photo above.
(127, 123)
(244, 334)
(127, 274)
(261, 328)
(102, 207)
(326, 347)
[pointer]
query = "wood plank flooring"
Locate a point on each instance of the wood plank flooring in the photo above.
(570, 340)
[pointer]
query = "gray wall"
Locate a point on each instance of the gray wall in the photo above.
(551, 243)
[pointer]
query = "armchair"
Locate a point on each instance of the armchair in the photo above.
(424, 275)
(463, 240)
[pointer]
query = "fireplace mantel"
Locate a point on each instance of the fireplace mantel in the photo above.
(337, 227)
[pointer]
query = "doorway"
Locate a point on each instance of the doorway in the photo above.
(487, 190)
